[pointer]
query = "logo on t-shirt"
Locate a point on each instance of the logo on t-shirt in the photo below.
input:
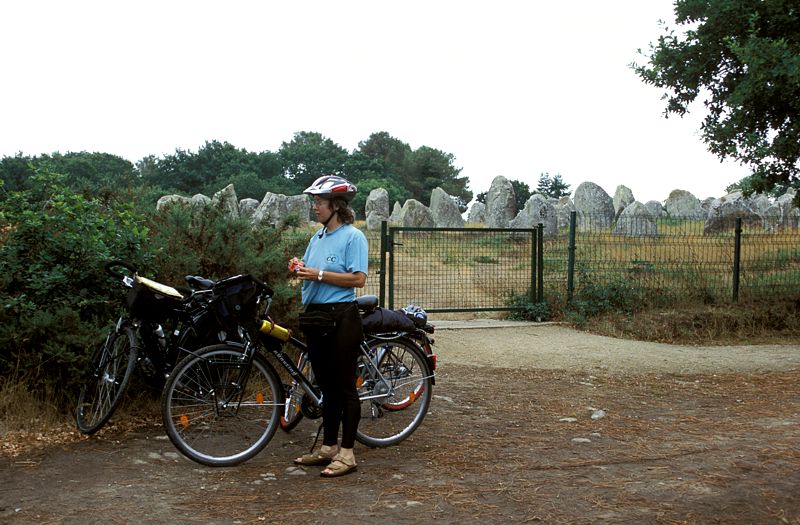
(330, 259)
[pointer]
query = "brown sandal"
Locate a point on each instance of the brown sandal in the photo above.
(313, 459)
(338, 467)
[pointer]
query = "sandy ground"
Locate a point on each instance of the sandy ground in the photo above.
(528, 424)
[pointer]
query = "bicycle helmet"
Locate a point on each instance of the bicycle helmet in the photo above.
(330, 186)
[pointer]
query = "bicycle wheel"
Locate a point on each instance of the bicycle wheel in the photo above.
(113, 364)
(395, 398)
(219, 412)
(292, 411)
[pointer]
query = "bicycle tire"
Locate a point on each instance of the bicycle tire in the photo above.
(112, 366)
(213, 414)
(406, 381)
(292, 412)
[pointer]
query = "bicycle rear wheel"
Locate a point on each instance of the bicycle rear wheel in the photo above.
(395, 401)
(101, 393)
(217, 410)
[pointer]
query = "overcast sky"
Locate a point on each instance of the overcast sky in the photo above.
(509, 87)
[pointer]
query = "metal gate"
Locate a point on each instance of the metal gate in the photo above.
(460, 269)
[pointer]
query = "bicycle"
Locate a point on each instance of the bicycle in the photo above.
(139, 338)
(298, 404)
(223, 403)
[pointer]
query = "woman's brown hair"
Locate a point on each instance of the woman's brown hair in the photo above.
(346, 213)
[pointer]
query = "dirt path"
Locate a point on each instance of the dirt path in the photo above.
(528, 424)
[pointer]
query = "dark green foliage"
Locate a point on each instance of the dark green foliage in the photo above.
(527, 310)
(742, 58)
(56, 302)
(54, 297)
(202, 241)
(598, 297)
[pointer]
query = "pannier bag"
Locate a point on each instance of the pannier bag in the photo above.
(152, 301)
(383, 320)
(236, 300)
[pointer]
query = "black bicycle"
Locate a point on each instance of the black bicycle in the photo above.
(161, 324)
(223, 403)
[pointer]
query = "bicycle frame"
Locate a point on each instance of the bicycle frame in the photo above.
(269, 342)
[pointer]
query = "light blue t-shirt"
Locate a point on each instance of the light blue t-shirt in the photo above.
(344, 250)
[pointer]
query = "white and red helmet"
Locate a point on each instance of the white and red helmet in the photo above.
(330, 186)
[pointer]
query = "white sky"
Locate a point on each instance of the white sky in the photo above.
(509, 87)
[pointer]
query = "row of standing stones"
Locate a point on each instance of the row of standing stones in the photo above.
(595, 210)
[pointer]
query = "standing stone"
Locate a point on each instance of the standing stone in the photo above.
(200, 200)
(564, 210)
(445, 210)
(538, 209)
(377, 208)
(396, 218)
(276, 208)
(416, 215)
(636, 221)
(623, 197)
(168, 201)
(477, 213)
(594, 206)
(378, 202)
(725, 211)
(656, 209)
(683, 205)
(226, 201)
(247, 207)
(501, 205)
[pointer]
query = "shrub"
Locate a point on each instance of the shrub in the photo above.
(53, 303)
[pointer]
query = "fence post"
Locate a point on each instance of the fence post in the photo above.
(737, 254)
(382, 271)
(540, 263)
(532, 293)
(571, 257)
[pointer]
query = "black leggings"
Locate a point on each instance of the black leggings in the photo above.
(333, 358)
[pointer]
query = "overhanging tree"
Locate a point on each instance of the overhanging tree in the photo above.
(742, 58)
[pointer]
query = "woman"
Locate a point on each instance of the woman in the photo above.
(334, 265)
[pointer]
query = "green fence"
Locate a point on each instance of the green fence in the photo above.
(668, 260)
(470, 269)
(678, 260)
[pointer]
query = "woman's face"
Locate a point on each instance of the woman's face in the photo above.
(322, 207)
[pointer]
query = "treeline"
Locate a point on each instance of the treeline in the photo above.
(379, 161)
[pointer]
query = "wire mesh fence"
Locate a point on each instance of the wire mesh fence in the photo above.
(458, 269)
(668, 260)
(681, 259)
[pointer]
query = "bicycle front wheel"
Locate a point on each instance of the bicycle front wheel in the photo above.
(101, 393)
(395, 393)
(218, 410)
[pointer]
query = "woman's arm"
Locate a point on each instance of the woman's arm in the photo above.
(345, 280)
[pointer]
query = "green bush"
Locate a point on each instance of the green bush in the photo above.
(53, 299)
(56, 302)
(595, 298)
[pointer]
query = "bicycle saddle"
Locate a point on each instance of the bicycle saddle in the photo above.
(367, 303)
(198, 283)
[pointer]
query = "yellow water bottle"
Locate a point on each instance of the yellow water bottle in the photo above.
(271, 329)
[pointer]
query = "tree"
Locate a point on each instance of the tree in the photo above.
(743, 58)
(558, 188)
(553, 186)
(522, 192)
(391, 151)
(309, 156)
(428, 168)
